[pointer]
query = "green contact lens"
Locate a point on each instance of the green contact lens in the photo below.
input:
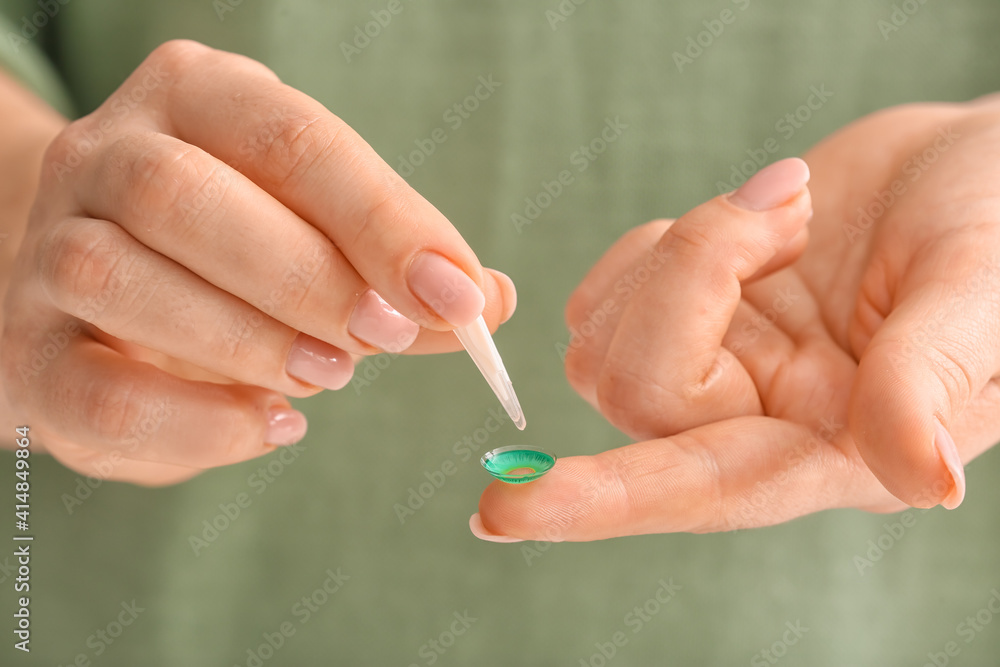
(517, 465)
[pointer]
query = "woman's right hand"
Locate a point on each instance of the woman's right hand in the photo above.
(205, 243)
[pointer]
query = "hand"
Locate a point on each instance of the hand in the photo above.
(206, 242)
(771, 385)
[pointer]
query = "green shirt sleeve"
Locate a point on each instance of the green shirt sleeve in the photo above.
(23, 57)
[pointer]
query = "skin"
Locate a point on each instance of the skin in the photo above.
(745, 421)
(747, 417)
(166, 218)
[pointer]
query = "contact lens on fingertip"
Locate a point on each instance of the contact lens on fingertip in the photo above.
(517, 464)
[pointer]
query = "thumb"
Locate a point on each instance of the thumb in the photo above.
(934, 354)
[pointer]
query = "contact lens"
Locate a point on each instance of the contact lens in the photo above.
(517, 465)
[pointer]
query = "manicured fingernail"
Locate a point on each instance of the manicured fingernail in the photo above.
(509, 293)
(949, 455)
(285, 426)
(318, 363)
(446, 289)
(773, 185)
(479, 530)
(377, 323)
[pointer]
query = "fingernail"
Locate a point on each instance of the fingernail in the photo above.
(509, 293)
(377, 323)
(773, 185)
(318, 363)
(479, 530)
(285, 426)
(949, 455)
(446, 289)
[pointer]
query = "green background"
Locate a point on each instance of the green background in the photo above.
(332, 507)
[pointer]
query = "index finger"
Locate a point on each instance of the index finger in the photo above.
(739, 473)
(320, 168)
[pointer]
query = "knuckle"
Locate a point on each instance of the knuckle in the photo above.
(389, 211)
(180, 56)
(112, 410)
(177, 54)
(155, 176)
(628, 401)
(955, 377)
(306, 280)
(243, 342)
(65, 153)
(78, 263)
(291, 143)
(732, 246)
(237, 432)
(693, 238)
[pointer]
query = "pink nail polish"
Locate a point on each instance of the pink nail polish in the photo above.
(377, 323)
(285, 426)
(772, 186)
(479, 530)
(318, 363)
(445, 289)
(945, 445)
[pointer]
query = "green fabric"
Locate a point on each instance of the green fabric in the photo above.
(21, 51)
(333, 506)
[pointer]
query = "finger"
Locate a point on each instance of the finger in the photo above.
(501, 300)
(105, 465)
(595, 307)
(94, 270)
(935, 352)
(189, 206)
(316, 165)
(740, 473)
(94, 397)
(666, 369)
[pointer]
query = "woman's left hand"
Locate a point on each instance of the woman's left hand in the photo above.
(774, 372)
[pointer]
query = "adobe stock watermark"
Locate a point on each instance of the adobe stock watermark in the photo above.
(624, 288)
(892, 534)
(967, 630)
(223, 7)
(55, 342)
(561, 12)
(579, 161)
(899, 16)
(30, 25)
(703, 40)
(634, 620)
(785, 127)
(912, 170)
(751, 331)
(365, 33)
(921, 341)
(465, 450)
(454, 117)
(259, 481)
(779, 648)
(303, 610)
(435, 647)
(122, 104)
(555, 531)
(370, 370)
(104, 637)
(140, 432)
(766, 491)
(40, 358)
(294, 282)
